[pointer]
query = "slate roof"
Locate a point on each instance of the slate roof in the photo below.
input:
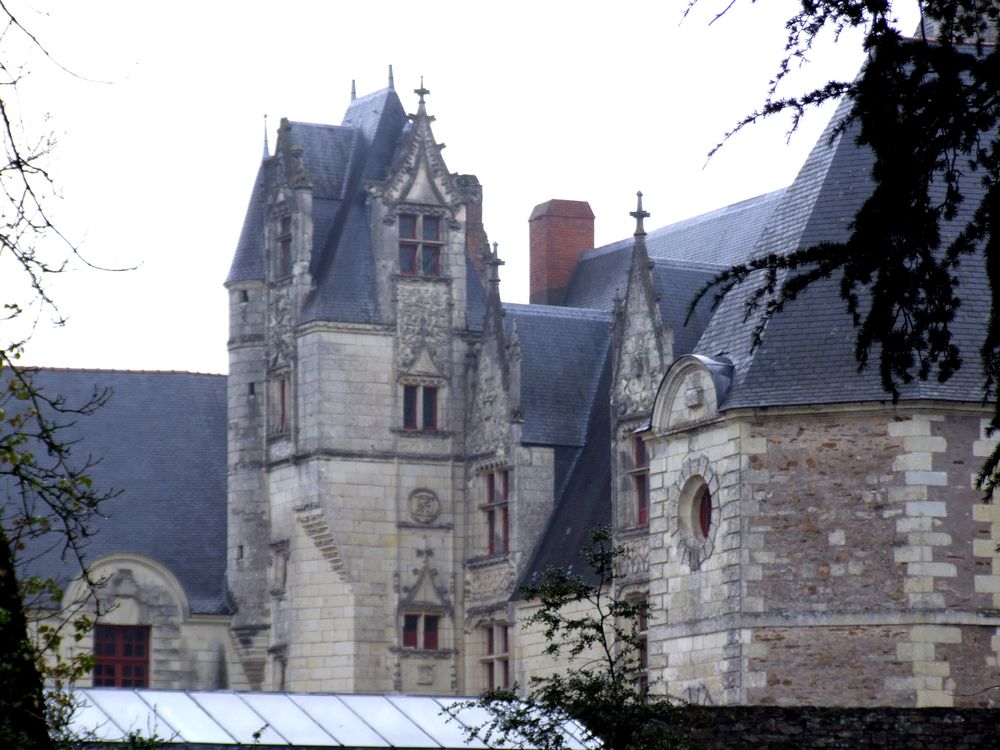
(687, 255)
(248, 261)
(807, 351)
(711, 241)
(343, 261)
(339, 160)
(584, 501)
(161, 442)
(562, 353)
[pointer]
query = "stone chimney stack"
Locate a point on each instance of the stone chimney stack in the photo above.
(559, 232)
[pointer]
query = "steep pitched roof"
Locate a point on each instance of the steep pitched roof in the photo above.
(806, 355)
(248, 260)
(583, 499)
(160, 441)
(686, 256)
(338, 159)
(563, 351)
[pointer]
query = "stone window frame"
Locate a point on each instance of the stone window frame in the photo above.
(280, 554)
(639, 474)
(496, 658)
(279, 666)
(632, 479)
(113, 665)
(421, 421)
(418, 245)
(496, 510)
(420, 619)
(693, 547)
(281, 403)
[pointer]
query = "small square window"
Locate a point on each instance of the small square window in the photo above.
(420, 408)
(496, 664)
(420, 631)
(419, 245)
(121, 656)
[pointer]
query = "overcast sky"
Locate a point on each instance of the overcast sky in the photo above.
(160, 131)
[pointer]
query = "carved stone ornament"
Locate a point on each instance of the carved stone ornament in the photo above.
(420, 153)
(423, 323)
(489, 424)
(492, 584)
(424, 506)
(279, 319)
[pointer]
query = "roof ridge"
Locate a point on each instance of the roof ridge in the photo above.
(559, 310)
(120, 371)
(326, 125)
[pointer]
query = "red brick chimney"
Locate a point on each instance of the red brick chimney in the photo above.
(559, 231)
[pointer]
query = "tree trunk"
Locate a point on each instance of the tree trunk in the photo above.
(22, 699)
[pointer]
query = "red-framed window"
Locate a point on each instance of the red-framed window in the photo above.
(496, 665)
(705, 512)
(497, 512)
(420, 245)
(420, 407)
(640, 481)
(421, 631)
(283, 262)
(121, 656)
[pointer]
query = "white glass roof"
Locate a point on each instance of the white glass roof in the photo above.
(222, 718)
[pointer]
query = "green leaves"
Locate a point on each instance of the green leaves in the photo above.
(601, 686)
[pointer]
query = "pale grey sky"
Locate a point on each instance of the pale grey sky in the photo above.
(160, 136)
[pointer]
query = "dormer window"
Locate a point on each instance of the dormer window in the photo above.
(419, 245)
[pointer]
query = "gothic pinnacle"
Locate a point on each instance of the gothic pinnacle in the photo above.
(639, 215)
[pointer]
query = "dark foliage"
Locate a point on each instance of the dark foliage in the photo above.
(601, 689)
(46, 497)
(928, 108)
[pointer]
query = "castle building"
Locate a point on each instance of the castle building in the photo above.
(403, 450)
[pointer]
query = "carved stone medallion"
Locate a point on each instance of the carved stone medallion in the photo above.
(424, 506)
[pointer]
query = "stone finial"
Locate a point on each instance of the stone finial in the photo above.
(639, 215)
(421, 92)
(494, 263)
(267, 153)
(392, 83)
(354, 90)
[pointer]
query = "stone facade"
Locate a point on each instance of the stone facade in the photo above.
(405, 451)
(839, 565)
(188, 651)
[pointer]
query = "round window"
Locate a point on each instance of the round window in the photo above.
(704, 507)
(694, 504)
